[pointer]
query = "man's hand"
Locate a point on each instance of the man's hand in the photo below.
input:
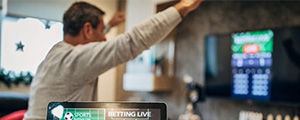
(116, 19)
(186, 6)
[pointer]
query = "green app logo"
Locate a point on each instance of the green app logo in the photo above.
(83, 114)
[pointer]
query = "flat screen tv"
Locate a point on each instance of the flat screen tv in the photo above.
(259, 65)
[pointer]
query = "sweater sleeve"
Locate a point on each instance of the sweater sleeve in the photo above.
(98, 57)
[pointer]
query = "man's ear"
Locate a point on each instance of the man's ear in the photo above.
(87, 30)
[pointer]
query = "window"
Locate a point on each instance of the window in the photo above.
(37, 36)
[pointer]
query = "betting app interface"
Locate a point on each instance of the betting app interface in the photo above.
(251, 64)
(61, 113)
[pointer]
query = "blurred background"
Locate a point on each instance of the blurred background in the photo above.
(200, 48)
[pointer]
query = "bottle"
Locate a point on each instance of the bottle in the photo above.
(278, 117)
(270, 117)
(296, 117)
(189, 115)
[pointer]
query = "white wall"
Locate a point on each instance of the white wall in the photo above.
(137, 11)
(46, 9)
(53, 9)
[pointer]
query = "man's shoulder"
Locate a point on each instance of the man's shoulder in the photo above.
(59, 49)
(62, 44)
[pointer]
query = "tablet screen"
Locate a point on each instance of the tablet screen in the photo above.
(106, 111)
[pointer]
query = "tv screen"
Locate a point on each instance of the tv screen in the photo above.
(262, 65)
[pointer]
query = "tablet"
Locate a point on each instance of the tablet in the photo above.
(106, 111)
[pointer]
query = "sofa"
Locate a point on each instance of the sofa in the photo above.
(12, 101)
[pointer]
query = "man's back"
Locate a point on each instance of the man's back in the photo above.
(55, 81)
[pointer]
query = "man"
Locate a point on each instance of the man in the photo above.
(71, 68)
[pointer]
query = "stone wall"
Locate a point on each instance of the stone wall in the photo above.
(218, 17)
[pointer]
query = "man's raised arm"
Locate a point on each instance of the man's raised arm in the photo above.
(127, 46)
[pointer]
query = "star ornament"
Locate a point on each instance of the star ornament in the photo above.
(20, 46)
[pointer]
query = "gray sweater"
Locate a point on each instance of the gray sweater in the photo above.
(69, 73)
